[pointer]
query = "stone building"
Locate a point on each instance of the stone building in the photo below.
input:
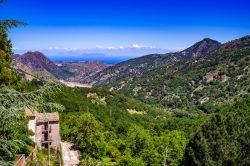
(45, 127)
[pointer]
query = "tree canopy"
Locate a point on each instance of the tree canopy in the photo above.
(222, 140)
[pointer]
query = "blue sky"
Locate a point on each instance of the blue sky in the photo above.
(86, 24)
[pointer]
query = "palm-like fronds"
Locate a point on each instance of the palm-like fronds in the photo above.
(7, 24)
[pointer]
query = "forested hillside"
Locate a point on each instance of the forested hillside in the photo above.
(149, 135)
(116, 130)
(217, 77)
(223, 139)
(134, 67)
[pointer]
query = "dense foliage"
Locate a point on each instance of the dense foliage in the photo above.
(224, 139)
(201, 83)
(103, 129)
(14, 134)
(112, 135)
(13, 129)
(7, 76)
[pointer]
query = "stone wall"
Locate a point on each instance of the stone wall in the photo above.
(54, 134)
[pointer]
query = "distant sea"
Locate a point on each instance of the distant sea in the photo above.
(107, 60)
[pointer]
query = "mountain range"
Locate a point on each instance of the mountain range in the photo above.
(36, 64)
(200, 76)
(100, 53)
(134, 67)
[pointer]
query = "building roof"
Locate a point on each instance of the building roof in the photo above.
(45, 117)
(42, 117)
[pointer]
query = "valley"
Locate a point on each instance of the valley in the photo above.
(197, 77)
(104, 90)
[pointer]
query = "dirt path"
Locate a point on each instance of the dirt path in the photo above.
(70, 156)
(75, 84)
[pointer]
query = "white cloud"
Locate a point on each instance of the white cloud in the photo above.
(15, 48)
(141, 46)
(100, 47)
(134, 50)
(136, 46)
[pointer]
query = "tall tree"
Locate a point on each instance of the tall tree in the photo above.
(7, 76)
(86, 132)
(223, 140)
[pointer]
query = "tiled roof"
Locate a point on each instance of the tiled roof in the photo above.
(45, 117)
(42, 117)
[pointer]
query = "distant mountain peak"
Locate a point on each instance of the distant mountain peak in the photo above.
(200, 48)
(35, 54)
(209, 40)
(36, 63)
(35, 60)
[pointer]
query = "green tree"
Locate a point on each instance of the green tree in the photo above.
(127, 160)
(171, 145)
(86, 132)
(141, 147)
(138, 140)
(7, 76)
(223, 140)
